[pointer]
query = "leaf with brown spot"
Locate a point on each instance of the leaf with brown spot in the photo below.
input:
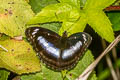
(14, 14)
(20, 57)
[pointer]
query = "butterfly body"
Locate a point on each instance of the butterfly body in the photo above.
(58, 52)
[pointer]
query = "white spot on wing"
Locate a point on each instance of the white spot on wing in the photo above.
(84, 37)
(48, 34)
(33, 36)
(75, 37)
(34, 33)
(91, 38)
(36, 30)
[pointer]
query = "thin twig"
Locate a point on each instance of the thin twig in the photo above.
(109, 62)
(114, 53)
(90, 68)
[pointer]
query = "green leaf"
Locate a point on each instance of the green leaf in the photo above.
(115, 20)
(97, 18)
(98, 4)
(37, 5)
(52, 26)
(20, 57)
(65, 26)
(117, 3)
(82, 3)
(13, 16)
(4, 74)
(74, 27)
(101, 24)
(46, 74)
(56, 12)
(74, 20)
(49, 74)
(104, 74)
(37, 76)
(75, 3)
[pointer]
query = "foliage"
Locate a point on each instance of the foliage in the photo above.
(75, 19)
(115, 20)
(4, 74)
(37, 5)
(58, 16)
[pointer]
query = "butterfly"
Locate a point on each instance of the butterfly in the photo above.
(58, 52)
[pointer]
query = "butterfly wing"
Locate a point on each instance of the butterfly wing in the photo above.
(45, 43)
(78, 43)
(48, 46)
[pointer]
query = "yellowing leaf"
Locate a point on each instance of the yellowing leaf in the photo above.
(20, 57)
(14, 14)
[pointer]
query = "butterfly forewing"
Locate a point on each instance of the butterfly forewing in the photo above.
(45, 43)
(78, 43)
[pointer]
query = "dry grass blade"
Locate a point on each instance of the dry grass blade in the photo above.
(90, 68)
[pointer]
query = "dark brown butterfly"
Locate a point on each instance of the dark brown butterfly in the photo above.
(58, 52)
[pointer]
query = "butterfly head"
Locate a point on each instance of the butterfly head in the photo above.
(65, 34)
